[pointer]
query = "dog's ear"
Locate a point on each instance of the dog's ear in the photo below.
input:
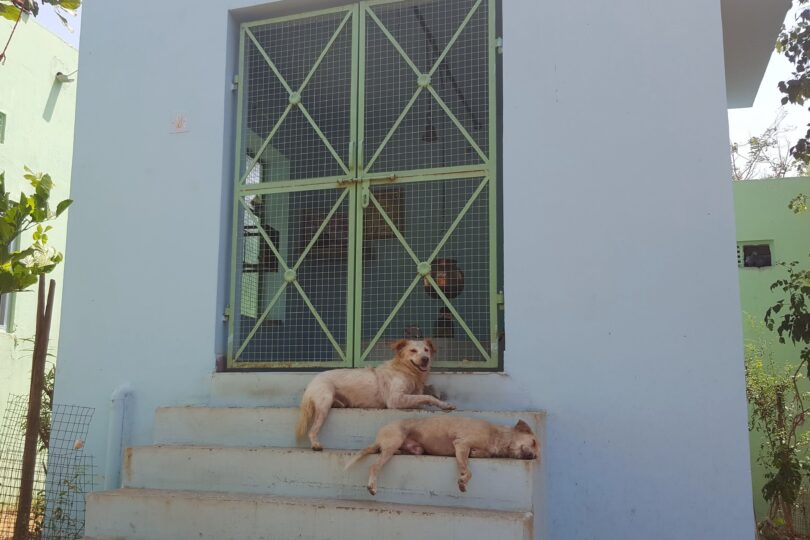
(399, 345)
(431, 346)
(523, 427)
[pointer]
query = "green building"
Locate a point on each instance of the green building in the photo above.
(768, 233)
(37, 110)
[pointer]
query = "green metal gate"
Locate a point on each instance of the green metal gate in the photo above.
(366, 195)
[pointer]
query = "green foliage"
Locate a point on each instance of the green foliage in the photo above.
(38, 508)
(773, 530)
(766, 155)
(46, 410)
(798, 204)
(790, 316)
(11, 9)
(20, 268)
(779, 399)
(38, 505)
(778, 411)
(794, 44)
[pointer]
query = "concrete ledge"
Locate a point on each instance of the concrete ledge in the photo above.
(185, 515)
(348, 429)
(495, 391)
(497, 484)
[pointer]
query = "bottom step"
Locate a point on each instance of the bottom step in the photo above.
(146, 514)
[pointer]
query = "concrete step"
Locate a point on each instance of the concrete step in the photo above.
(275, 426)
(467, 390)
(145, 514)
(497, 484)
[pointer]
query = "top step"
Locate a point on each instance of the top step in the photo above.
(467, 390)
(348, 429)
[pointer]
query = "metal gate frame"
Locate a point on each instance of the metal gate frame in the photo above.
(356, 185)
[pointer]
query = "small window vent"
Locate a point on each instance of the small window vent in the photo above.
(754, 255)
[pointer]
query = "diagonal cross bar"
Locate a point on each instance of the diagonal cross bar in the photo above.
(294, 97)
(292, 270)
(404, 297)
(424, 77)
(457, 316)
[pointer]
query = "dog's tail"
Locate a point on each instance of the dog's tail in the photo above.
(304, 417)
(373, 449)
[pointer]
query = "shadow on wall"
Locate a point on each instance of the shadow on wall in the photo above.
(53, 96)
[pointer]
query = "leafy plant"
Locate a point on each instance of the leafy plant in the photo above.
(794, 44)
(779, 400)
(38, 508)
(799, 204)
(766, 155)
(790, 317)
(39, 504)
(20, 268)
(12, 9)
(778, 411)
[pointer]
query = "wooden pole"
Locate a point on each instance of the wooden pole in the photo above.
(43, 329)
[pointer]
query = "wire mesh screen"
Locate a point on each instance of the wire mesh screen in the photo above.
(801, 515)
(332, 262)
(298, 96)
(410, 124)
(69, 479)
(447, 224)
(64, 472)
(294, 277)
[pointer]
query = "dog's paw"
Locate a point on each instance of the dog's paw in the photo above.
(372, 489)
(462, 486)
(448, 407)
(431, 391)
(317, 447)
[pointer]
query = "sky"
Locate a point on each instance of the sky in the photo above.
(49, 20)
(745, 123)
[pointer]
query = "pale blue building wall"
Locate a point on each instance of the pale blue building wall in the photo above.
(622, 308)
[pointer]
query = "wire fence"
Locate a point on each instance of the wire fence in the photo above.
(64, 472)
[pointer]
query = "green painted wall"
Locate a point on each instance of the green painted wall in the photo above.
(38, 133)
(762, 215)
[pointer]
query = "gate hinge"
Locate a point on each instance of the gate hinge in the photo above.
(227, 315)
(499, 45)
(499, 300)
(235, 85)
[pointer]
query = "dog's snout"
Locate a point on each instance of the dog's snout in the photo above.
(425, 360)
(527, 454)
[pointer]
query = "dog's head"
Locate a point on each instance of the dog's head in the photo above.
(415, 354)
(523, 444)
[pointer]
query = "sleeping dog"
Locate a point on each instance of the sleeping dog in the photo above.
(449, 436)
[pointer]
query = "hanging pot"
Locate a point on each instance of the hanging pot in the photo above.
(448, 276)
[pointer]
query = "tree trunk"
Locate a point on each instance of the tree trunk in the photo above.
(43, 329)
(787, 512)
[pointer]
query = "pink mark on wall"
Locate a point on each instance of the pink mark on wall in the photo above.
(179, 124)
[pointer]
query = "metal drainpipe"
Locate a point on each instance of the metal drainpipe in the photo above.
(118, 431)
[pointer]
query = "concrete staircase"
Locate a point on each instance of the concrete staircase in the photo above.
(217, 473)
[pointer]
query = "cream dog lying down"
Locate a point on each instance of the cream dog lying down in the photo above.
(396, 384)
(449, 436)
